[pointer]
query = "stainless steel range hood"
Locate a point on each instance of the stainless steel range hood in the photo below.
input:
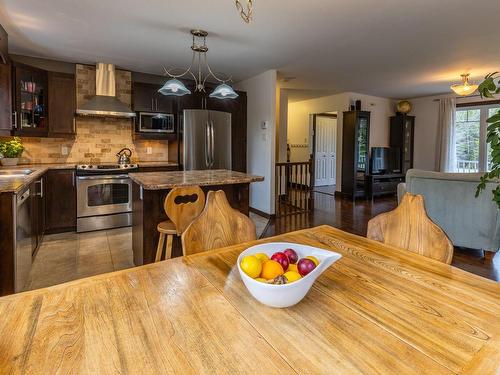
(105, 103)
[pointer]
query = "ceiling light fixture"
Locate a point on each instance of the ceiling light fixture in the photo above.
(465, 88)
(246, 13)
(199, 47)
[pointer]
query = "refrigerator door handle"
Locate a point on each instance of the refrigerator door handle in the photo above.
(212, 144)
(208, 151)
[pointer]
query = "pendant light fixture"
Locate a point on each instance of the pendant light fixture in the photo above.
(465, 88)
(199, 47)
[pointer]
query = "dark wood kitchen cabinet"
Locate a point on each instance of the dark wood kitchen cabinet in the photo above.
(60, 192)
(61, 104)
(5, 99)
(146, 98)
(30, 101)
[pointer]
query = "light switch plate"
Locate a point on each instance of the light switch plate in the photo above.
(64, 150)
(149, 150)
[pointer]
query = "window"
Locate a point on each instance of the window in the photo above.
(473, 154)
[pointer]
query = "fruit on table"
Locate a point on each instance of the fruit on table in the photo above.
(292, 276)
(263, 257)
(278, 280)
(251, 265)
(292, 255)
(305, 266)
(292, 267)
(271, 269)
(261, 279)
(314, 259)
(282, 259)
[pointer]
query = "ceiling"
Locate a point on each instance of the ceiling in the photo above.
(389, 48)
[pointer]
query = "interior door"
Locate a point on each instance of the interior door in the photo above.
(326, 140)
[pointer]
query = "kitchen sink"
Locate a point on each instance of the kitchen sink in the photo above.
(15, 173)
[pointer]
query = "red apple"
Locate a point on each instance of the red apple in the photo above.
(282, 259)
(305, 266)
(292, 255)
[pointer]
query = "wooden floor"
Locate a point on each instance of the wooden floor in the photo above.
(353, 217)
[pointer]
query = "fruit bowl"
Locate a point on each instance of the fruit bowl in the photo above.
(287, 294)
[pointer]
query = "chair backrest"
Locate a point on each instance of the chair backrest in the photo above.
(218, 225)
(183, 204)
(408, 227)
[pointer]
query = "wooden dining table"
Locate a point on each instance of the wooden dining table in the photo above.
(378, 310)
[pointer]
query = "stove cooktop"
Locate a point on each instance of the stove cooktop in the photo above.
(97, 168)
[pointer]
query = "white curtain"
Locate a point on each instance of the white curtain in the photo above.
(446, 153)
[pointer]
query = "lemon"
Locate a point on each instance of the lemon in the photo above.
(251, 265)
(315, 260)
(292, 276)
(262, 257)
(292, 267)
(260, 279)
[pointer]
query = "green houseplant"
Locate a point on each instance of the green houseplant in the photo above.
(488, 88)
(11, 151)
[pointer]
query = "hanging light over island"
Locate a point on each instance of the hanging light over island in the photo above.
(174, 87)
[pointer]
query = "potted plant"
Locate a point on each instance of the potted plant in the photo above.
(488, 88)
(11, 151)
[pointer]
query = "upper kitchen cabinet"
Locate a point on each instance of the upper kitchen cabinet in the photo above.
(5, 85)
(61, 104)
(145, 98)
(30, 101)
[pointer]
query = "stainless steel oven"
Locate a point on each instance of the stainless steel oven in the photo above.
(151, 122)
(103, 200)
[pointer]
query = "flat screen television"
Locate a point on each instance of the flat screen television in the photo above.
(385, 160)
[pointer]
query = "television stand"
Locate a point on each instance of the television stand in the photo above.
(381, 184)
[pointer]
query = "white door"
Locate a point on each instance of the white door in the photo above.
(326, 140)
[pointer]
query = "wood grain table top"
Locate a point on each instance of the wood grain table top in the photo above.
(212, 177)
(377, 310)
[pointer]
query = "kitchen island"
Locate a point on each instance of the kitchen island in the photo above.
(150, 189)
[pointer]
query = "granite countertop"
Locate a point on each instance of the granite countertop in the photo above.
(169, 180)
(15, 185)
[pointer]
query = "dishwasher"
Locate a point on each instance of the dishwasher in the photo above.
(23, 259)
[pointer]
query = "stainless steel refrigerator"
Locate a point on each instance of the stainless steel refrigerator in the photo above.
(205, 140)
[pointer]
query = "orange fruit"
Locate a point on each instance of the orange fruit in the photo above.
(261, 256)
(292, 276)
(251, 266)
(292, 267)
(271, 269)
(315, 260)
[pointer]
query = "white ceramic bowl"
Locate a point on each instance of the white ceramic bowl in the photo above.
(288, 294)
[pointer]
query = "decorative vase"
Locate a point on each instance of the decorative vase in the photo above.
(9, 161)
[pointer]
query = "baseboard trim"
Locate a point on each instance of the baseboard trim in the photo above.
(261, 213)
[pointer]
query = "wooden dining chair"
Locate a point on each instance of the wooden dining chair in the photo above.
(408, 227)
(182, 205)
(219, 225)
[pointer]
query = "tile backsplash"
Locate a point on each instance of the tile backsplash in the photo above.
(97, 140)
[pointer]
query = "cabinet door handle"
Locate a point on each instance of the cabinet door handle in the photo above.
(74, 125)
(14, 125)
(152, 104)
(156, 102)
(40, 194)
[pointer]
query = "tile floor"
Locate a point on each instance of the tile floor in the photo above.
(70, 256)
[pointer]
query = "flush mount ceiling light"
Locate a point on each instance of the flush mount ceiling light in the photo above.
(465, 88)
(246, 13)
(200, 75)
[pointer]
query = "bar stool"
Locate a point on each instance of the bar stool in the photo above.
(182, 205)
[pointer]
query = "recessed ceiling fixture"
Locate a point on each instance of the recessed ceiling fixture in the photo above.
(246, 13)
(465, 88)
(199, 47)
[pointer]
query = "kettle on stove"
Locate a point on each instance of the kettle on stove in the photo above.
(124, 156)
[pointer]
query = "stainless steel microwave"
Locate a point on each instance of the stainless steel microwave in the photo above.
(151, 122)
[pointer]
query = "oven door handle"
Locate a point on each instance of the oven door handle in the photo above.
(104, 177)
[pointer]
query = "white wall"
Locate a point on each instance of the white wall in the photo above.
(426, 112)
(261, 143)
(298, 122)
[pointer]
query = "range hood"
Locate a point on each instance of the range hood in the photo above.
(105, 103)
